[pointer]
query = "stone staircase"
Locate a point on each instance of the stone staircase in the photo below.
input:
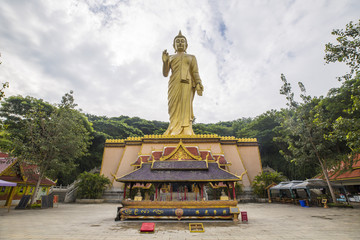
(60, 191)
(67, 193)
(70, 195)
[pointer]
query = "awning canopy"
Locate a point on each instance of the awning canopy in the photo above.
(314, 183)
(7, 184)
(290, 185)
(279, 186)
(307, 184)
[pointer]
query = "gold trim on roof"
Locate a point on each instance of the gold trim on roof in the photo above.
(113, 175)
(228, 138)
(207, 156)
(114, 141)
(247, 140)
(158, 136)
(241, 176)
(180, 153)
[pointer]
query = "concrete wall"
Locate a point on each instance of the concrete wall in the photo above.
(251, 159)
(111, 161)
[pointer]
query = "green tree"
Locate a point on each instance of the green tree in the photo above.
(304, 130)
(49, 136)
(220, 128)
(240, 124)
(14, 111)
(263, 180)
(4, 86)
(347, 50)
(116, 129)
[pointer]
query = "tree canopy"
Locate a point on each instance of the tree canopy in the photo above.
(50, 136)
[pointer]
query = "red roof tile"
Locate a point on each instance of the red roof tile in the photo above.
(205, 154)
(32, 174)
(11, 178)
(193, 150)
(221, 159)
(5, 163)
(168, 150)
(144, 158)
(155, 155)
(30, 171)
(140, 159)
(4, 155)
(350, 174)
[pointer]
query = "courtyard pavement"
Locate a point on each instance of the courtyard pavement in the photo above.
(96, 221)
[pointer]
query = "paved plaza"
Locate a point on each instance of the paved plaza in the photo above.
(96, 221)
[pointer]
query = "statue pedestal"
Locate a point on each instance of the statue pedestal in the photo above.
(137, 198)
(178, 210)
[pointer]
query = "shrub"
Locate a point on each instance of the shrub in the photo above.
(91, 185)
(263, 180)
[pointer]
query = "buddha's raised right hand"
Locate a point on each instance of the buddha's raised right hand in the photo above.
(165, 56)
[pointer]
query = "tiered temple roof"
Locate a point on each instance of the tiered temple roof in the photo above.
(180, 164)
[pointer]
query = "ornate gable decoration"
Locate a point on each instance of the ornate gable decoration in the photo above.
(180, 153)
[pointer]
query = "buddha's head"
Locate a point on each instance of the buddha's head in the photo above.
(180, 43)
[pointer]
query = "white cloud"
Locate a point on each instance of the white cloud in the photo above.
(109, 53)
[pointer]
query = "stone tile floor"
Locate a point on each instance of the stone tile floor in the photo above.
(96, 221)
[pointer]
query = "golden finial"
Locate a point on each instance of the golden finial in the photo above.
(180, 35)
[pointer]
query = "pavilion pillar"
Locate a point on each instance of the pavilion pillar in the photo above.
(195, 190)
(227, 184)
(171, 191)
(131, 185)
(156, 192)
(10, 197)
(125, 186)
(202, 191)
(233, 187)
(185, 193)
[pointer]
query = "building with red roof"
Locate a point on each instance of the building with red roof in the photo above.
(349, 178)
(25, 175)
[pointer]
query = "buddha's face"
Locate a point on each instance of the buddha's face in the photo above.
(180, 44)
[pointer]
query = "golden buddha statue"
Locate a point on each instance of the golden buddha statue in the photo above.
(184, 80)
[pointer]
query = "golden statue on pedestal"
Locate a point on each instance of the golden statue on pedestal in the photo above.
(184, 80)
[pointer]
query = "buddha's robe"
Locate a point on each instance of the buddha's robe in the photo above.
(181, 90)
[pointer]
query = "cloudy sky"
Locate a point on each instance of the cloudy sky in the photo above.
(109, 52)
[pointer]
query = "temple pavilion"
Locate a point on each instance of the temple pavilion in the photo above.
(169, 176)
(181, 169)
